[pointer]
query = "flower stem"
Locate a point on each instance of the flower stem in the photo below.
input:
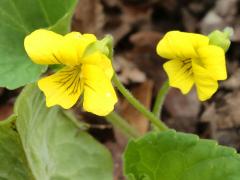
(122, 125)
(135, 103)
(162, 93)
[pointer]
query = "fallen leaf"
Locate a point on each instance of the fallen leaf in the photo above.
(225, 114)
(183, 106)
(89, 17)
(143, 92)
(128, 72)
(117, 151)
(5, 111)
(147, 39)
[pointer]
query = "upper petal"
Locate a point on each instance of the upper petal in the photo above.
(180, 45)
(101, 60)
(72, 47)
(62, 88)
(180, 74)
(99, 94)
(213, 59)
(206, 86)
(41, 46)
(47, 47)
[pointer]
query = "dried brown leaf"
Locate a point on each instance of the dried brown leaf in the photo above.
(143, 93)
(128, 72)
(89, 17)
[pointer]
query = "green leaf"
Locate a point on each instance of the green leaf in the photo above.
(55, 148)
(178, 156)
(13, 164)
(19, 18)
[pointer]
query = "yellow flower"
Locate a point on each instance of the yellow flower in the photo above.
(84, 73)
(192, 61)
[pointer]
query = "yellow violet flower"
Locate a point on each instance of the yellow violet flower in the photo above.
(192, 60)
(84, 73)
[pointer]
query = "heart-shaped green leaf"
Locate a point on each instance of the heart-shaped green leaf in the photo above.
(17, 19)
(55, 148)
(178, 156)
(13, 164)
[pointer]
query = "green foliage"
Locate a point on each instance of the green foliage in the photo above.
(19, 18)
(13, 164)
(55, 148)
(178, 156)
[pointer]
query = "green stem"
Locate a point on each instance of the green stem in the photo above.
(120, 123)
(161, 96)
(135, 103)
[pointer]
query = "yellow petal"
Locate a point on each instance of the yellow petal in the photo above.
(42, 45)
(62, 88)
(73, 46)
(206, 86)
(99, 95)
(102, 61)
(213, 58)
(47, 47)
(179, 74)
(180, 45)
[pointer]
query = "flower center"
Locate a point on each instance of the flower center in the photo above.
(187, 66)
(70, 79)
